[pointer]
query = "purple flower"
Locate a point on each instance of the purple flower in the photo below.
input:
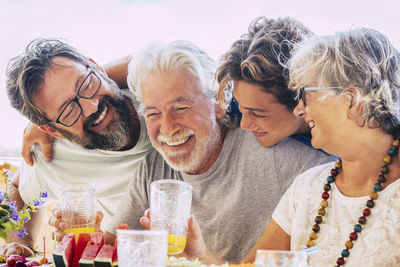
(14, 216)
(26, 219)
(37, 203)
(2, 196)
(44, 194)
(21, 232)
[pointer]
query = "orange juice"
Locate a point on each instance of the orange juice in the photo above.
(78, 230)
(176, 244)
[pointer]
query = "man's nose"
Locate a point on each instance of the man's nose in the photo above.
(299, 110)
(168, 125)
(89, 106)
(247, 123)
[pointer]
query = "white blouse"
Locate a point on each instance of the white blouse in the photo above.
(378, 244)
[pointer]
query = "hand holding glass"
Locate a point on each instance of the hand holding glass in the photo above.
(170, 203)
(78, 207)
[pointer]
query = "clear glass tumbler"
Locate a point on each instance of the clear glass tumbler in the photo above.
(170, 203)
(139, 248)
(78, 205)
(275, 258)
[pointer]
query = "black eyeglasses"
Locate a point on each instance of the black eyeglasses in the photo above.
(302, 94)
(73, 110)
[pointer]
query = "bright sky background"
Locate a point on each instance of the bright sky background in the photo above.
(109, 29)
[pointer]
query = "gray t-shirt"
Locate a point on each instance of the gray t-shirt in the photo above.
(233, 201)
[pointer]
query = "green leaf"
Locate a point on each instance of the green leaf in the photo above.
(3, 213)
(3, 234)
(6, 207)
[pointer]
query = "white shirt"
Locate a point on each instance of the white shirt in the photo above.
(110, 171)
(378, 244)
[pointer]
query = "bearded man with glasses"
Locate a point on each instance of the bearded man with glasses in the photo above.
(99, 138)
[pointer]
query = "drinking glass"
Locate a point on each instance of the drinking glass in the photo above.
(138, 248)
(78, 207)
(275, 258)
(170, 202)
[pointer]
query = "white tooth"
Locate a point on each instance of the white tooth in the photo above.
(178, 141)
(101, 117)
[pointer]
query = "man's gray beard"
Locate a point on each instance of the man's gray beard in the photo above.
(200, 155)
(120, 130)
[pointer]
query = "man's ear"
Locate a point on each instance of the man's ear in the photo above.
(355, 105)
(51, 131)
(94, 62)
(220, 112)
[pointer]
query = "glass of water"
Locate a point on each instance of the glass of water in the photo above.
(275, 258)
(138, 248)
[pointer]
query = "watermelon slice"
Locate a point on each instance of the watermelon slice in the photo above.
(92, 248)
(63, 255)
(105, 256)
(83, 239)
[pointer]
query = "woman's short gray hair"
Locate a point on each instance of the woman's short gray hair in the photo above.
(361, 58)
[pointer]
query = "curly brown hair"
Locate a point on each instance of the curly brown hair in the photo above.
(258, 57)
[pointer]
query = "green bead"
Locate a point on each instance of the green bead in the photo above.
(384, 169)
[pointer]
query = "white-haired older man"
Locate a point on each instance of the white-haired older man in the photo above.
(236, 182)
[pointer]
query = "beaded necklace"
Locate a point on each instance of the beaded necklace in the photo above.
(366, 212)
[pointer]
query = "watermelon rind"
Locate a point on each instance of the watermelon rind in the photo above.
(60, 257)
(86, 263)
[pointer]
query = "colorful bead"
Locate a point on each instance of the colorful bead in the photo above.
(357, 228)
(366, 212)
(334, 172)
(340, 261)
(330, 179)
(318, 219)
(338, 164)
(325, 195)
(324, 204)
(377, 187)
(316, 228)
(391, 151)
(370, 203)
(384, 169)
(345, 253)
(310, 243)
(395, 143)
(349, 244)
(373, 195)
(321, 212)
(381, 178)
(327, 187)
(313, 236)
(362, 220)
(353, 236)
(387, 159)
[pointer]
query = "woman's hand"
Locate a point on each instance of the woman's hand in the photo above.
(32, 135)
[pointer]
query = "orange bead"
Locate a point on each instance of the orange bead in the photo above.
(310, 243)
(395, 143)
(373, 195)
(387, 159)
(313, 236)
(324, 203)
(338, 164)
(349, 244)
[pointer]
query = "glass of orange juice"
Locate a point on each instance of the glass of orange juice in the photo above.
(170, 203)
(78, 207)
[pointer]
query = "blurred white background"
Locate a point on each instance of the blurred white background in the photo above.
(109, 29)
